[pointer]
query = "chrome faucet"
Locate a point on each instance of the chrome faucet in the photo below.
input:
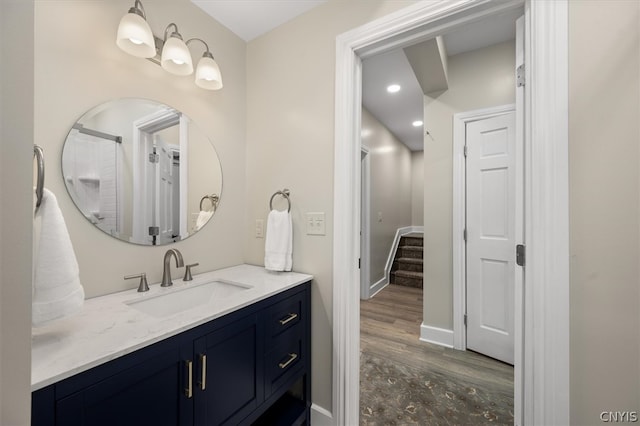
(166, 272)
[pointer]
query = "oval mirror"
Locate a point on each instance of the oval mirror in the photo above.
(141, 171)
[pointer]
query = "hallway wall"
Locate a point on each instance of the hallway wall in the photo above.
(417, 188)
(390, 190)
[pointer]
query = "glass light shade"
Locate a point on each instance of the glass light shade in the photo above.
(176, 57)
(208, 74)
(135, 36)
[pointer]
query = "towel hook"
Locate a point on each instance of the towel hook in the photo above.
(285, 193)
(39, 154)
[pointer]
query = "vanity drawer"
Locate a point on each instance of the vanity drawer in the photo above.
(286, 358)
(285, 315)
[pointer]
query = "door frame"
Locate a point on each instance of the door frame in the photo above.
(365, 224)
(143, 126)
(460, 121)
(546, 298)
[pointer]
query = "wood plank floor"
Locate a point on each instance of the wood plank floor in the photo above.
(390, 329)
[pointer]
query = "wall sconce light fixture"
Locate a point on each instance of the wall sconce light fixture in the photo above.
(135, 37)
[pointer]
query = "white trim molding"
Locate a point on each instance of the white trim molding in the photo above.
(321, 416)
(460, 121)
(435, 335)
(546, 322)
(546, 298)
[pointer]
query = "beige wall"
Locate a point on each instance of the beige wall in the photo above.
(290, 131)
(78, 65)
(16, 138)
(604, 111)
(390, 190)
(478, 79)
(417, 188)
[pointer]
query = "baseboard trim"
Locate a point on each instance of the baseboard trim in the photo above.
(321, 416)
(438, 336)
(378, 286)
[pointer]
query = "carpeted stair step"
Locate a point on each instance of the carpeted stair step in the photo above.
(408, 264)
(407, 278)
(413, 252)
(412, 240)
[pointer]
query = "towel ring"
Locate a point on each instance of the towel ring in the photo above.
(285, 193)
(213, 199)
(39, 154)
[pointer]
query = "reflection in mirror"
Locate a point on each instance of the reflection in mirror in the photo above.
(141, 171)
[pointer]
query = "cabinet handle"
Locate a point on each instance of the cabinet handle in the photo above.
(203, 372)
(292, 357)
(188, 391)
(291, 317)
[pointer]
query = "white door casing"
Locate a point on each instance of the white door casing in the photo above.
(365, 240)
(491, 195)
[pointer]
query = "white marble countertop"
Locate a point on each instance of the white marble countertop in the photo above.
(107, 327)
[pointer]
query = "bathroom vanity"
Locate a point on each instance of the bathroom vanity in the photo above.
(239, 357)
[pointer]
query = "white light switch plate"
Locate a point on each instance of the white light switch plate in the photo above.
(315, 223)
(259, 228)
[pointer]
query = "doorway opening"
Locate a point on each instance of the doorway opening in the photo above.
(452, 72)
(545, 324)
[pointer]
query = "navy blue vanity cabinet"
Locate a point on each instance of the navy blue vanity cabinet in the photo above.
(251, 366)
(229, 368)
(137, 389)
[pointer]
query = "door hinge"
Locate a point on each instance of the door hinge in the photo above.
(465, 151)
(520, 79)
(465, 320)
(520, 255)
(464, 235)
(359, 264)
(154, 158)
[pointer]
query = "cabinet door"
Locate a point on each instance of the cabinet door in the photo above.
(228, 378)
(149, 393)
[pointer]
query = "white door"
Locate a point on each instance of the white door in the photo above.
(167, 198)
(491, 205)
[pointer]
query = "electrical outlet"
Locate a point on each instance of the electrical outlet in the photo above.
(315, 223)
(259, 228)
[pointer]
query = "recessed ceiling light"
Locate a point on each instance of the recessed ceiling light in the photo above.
(393, 88)
(417, 123)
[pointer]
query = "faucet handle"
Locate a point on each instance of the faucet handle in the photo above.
(187, 272)
(143, 286)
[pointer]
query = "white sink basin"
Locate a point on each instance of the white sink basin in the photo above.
(190, 297)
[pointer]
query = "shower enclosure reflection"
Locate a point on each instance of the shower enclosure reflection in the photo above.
(138, 170)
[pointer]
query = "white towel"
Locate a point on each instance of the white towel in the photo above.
(203, 218)
(57, 291)
(279, 241)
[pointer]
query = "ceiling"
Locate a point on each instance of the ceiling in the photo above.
(252, 18)
(398, 110)
(249, 19)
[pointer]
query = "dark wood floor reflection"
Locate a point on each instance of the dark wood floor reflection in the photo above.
(458, 387)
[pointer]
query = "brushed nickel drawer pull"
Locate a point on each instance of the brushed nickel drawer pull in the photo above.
(290, 318)
(188, 391)
(292, 357)
(203, 372)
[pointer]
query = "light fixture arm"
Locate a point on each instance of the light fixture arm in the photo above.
(173, 34)
(207, 53)
(138, 10)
